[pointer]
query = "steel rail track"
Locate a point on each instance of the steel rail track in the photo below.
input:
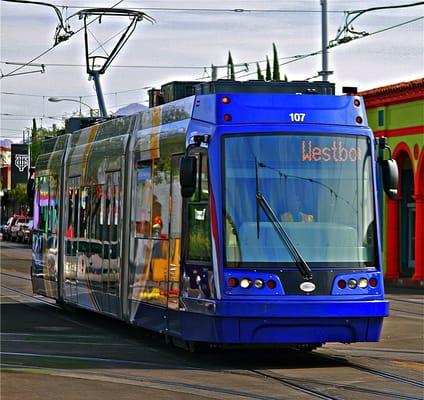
(409, 301)
(268, 375)
(162, 384)
(406, 312)
(26, 278)
(351, 388)
(289, 382)
(374, 371)
(40, 300)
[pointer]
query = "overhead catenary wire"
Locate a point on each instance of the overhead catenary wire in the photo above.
(224, 10)
(52, 47)
(354, 14)
(291, 58)
(303, 56)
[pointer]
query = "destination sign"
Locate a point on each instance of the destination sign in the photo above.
(335, 152)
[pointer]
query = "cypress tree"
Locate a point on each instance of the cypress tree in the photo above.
(276, 72)
(268, 70)
(230, 67)
(259, 72)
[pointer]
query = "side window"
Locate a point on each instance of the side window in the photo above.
(54, 206)
(69, 227)
(143, 201)
(76, 210)
(73, 193)
(43, 203)
(84, 212)
(177, 200)
(199, 242)
(160, 205)
(96, 205)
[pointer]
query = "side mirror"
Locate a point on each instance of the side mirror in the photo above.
(188, 174)
(390, 173)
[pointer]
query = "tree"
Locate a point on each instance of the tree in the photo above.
(268, 70)
(230, 67)
(276, 69)
(259, 72)
(37, 137)
(18, 198)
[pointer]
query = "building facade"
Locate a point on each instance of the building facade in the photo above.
(397, 112)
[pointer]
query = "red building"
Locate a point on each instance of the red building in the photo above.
(397, 112)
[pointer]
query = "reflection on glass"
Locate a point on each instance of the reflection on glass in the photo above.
(320, 187)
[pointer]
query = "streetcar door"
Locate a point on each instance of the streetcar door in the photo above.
(198, 280)
(174, 271)
(71, 240)
(111, 243)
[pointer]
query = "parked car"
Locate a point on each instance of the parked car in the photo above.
(25, 232)
(4, 227)
(16, 219)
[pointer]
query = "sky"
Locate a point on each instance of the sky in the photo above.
(187, 38)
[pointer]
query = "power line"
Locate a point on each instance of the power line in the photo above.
(52, 47)
(224, 10)
(353, 15)
(28, 115)
(11, 130)
(73, 96)
(112, 66)
(291, 59)
(303, 56)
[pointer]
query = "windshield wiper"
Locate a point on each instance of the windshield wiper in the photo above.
(301, 264)
(261, 201)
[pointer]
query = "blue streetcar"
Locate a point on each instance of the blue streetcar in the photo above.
(233, 213)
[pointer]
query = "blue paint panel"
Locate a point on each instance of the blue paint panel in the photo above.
(148, 316)
(279, 330)
(306, 307)
(280, 108)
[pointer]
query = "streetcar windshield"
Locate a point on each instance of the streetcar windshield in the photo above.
(319, 188)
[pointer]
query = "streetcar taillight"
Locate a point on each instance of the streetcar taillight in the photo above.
(341, 284)
(233, 282)
(373, 282)
(271, 284)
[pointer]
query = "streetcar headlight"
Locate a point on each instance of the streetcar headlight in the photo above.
(363, 283)
(352, 283)
(259, 283)
(245, 283)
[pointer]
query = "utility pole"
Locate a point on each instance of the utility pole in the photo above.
(324, 40)
(214, 72)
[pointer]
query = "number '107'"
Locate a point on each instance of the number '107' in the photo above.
(297, 117)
